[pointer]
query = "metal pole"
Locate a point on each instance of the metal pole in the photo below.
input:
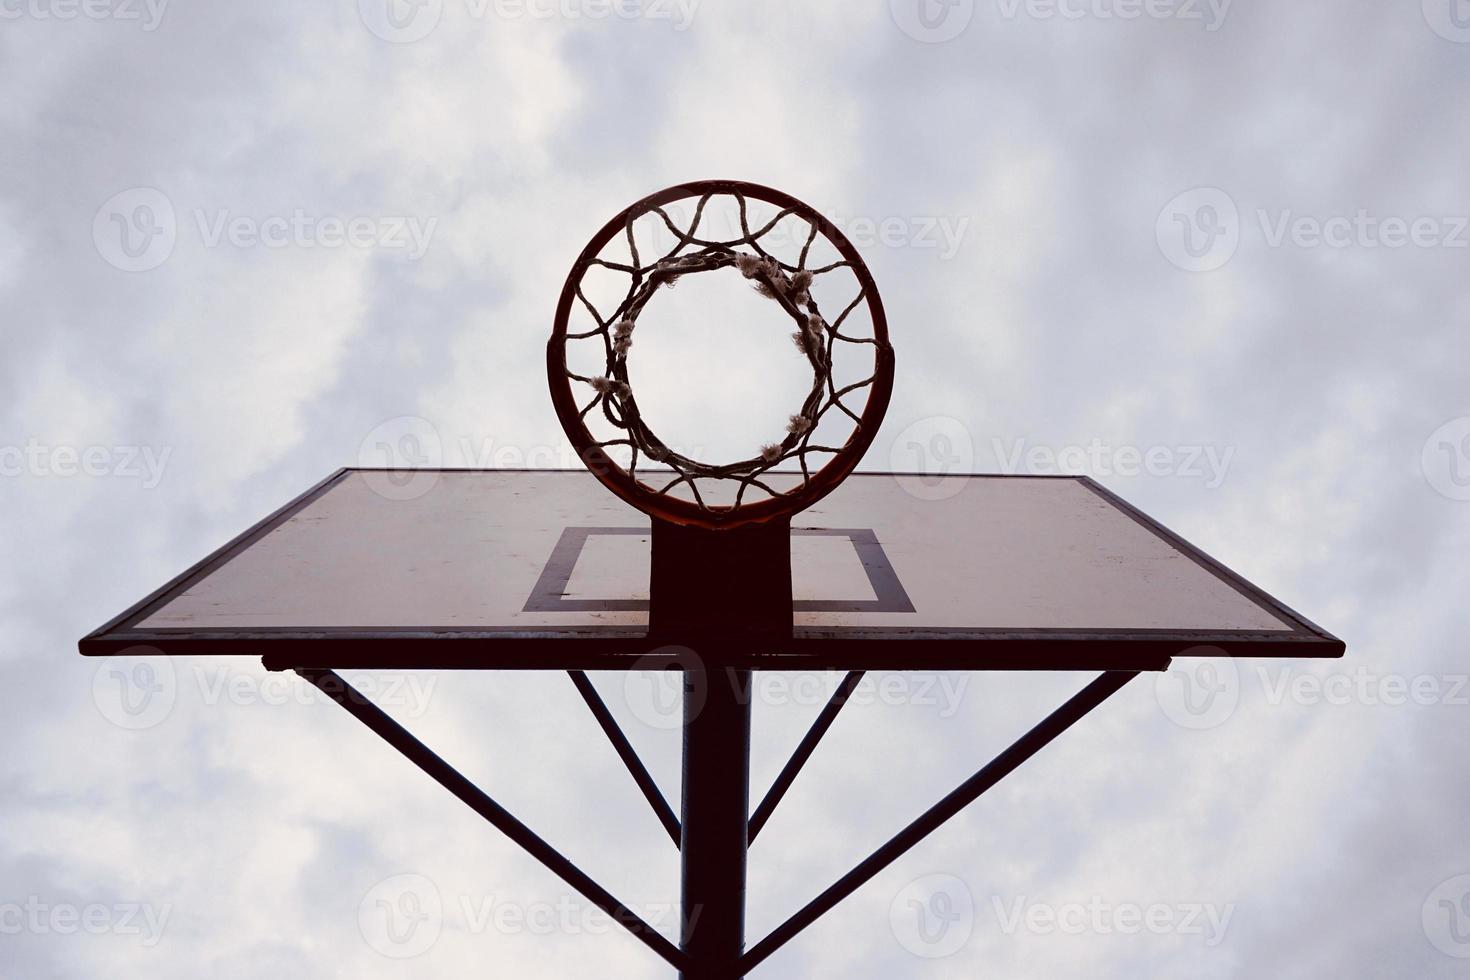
(803, 752)
(716, 805)
(624, 749)
(334, 687)
(968, 792)
(718, 591)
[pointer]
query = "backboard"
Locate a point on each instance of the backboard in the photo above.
(547, 570)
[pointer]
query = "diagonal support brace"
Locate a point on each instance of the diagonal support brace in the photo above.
(804, 751)
(624, 748)
(356, 704)
(970, 790)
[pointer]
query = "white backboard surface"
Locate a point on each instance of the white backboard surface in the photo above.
(504, 559)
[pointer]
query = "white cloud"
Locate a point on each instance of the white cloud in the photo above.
(1056, 319)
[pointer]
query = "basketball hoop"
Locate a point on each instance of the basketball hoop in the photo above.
(500, 570)
(656, 478)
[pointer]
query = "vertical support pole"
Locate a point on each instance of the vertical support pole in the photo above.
(716, 805)
(720, 592)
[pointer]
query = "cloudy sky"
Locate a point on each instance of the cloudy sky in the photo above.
(239, 242)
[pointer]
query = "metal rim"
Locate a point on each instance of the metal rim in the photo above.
(662, 505)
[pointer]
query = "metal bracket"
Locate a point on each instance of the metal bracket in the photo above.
(357, 705)
(970, 790)
(803, 751)
(624, 748)
(715, 965)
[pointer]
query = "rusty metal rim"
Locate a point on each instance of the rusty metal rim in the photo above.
(662, 505)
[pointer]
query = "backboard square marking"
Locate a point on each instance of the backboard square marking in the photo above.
(568, 583)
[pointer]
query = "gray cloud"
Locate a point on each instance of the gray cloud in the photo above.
(1057, 318)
